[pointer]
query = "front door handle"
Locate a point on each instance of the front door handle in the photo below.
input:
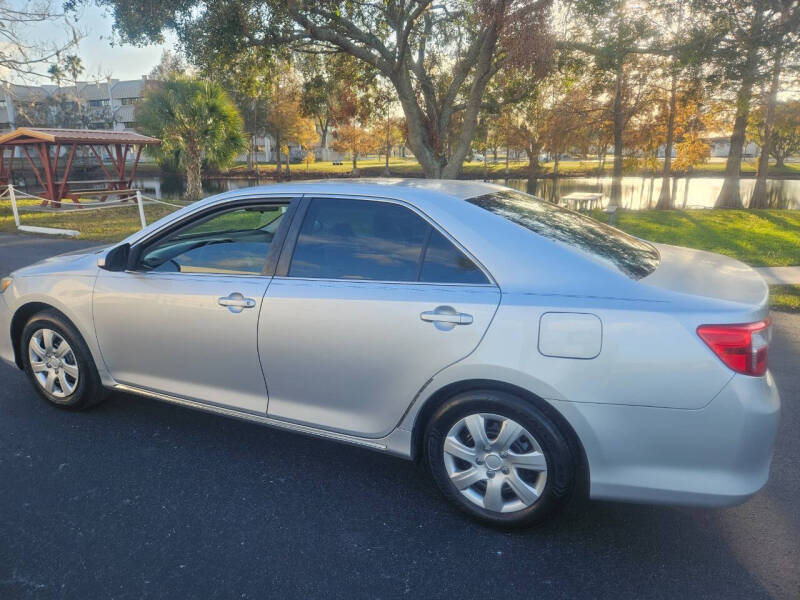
(446, 317)
(236, 302)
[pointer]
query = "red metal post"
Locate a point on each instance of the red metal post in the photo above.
(62, 189)
(35, 170)
(47, 165)
(100, 160)
(135, 164)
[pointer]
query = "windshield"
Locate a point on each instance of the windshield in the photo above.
(630, 255)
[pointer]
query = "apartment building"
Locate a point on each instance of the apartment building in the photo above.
(109, 104)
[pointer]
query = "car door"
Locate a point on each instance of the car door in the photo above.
(183, 320)
(370, 300)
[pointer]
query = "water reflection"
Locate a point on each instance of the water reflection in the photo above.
(642, 192)
(637, 192)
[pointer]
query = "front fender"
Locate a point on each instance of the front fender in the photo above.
(71, 296)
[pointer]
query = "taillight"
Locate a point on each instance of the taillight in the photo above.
(742, 347)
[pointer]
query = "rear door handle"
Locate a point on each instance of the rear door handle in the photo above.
(446, 315)
(236, 302)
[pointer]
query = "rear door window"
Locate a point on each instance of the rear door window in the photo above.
(444, 263)
(378, 241)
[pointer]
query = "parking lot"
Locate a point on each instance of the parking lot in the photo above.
(138, 499)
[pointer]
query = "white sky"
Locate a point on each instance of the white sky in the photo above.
(100, 53)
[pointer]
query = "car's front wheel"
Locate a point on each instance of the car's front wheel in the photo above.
(499, 458)
(59, 363)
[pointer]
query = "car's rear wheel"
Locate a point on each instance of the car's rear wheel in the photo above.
(499, 459)
(59, 363)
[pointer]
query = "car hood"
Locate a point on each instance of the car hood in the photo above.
(708, 275)
(76, 260)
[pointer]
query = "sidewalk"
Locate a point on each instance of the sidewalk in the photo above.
(780, 275)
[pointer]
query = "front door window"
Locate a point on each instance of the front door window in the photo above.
(234, 242)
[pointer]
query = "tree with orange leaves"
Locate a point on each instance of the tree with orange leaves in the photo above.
(355, 139)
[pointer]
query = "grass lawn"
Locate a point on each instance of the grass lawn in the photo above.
(785, 297)
(406, 167)
(111, 224)
(761, 238)
(749, 168)
(409, 167)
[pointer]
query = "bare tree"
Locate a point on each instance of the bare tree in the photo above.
(21, 56)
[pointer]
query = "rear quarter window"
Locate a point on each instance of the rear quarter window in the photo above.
(632, 256)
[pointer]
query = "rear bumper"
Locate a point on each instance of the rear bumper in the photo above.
(6, 349)
(715, 456)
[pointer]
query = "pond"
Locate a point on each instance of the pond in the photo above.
(642, 192)
(637, 192)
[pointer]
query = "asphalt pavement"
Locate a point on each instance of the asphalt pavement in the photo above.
(139, 499)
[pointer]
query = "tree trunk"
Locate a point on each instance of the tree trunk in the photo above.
(619, 126)
(386, 171)
(555, 177)
(664, 199)
(675, 188)
(506, 162)
(278, 156)
(641, 191)
(354, 172)
(686, 189)
(250, 151)
(780, 161)
(194, 161)
(729, 196)
(323, 131)
(427, 131)
(759, 198)
(533, 161)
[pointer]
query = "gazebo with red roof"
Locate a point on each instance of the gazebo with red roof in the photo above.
(47, 144)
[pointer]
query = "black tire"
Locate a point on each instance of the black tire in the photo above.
(561, 465)
(89, 390)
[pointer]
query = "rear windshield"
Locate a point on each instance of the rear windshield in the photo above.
(630, 255)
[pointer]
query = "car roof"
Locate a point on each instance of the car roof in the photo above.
(396, 188)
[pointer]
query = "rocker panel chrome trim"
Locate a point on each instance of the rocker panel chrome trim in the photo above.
(261, 420)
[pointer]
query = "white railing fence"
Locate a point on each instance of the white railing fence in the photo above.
(125, 199)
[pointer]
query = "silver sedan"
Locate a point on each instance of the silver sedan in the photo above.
(520, 350)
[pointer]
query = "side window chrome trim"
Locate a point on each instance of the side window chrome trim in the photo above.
(300, 215)
(386, 281)
(162, 274)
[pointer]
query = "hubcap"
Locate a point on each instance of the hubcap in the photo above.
(53, 363)
(495, 462)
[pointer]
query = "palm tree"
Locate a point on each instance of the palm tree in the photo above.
(73, 65)
(56, 73)
(195, 120)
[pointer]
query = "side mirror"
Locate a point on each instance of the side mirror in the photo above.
(115, 259)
